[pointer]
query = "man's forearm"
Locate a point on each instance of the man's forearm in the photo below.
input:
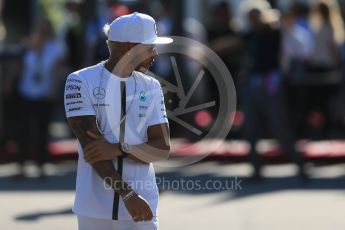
(158, 146)
(152, 151)
(105, 169)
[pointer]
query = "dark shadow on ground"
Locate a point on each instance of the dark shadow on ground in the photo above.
(48, 183)
(241, 187)
(181, 182)
(37, 215)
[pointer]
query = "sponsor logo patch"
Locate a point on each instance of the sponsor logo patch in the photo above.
(99, 93)
(74, 80)
(101, 104)
(74, 109)
(73, 87)
(143, 107)
(74, 102)
(73, 95)
(142, 96)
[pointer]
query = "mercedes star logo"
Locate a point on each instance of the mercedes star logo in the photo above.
(99, 93)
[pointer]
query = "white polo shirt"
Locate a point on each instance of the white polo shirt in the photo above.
(95, 90)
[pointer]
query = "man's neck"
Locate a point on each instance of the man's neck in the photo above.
(120, 72)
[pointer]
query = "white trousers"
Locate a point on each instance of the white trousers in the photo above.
(87, 223)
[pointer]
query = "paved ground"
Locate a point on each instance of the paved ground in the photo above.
(280, 202)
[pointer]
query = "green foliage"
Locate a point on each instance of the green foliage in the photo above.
(53, 10)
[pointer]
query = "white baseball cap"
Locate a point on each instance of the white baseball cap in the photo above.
(136, 28)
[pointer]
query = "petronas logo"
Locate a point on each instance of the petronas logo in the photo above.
(142, 96)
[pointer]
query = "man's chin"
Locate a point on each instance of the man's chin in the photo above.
(144, 67)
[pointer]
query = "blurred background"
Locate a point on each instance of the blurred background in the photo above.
(286, 59)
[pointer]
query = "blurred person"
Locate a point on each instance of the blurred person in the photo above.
(245, 6)
(297, 48)
(119, 118)
(325, 64)
(162, 67)
(162, 13)
(94, 36)
(2, 26)
(10, 99)
(329, 35)
(40, 71)
(224, 40)
(221, 22)
(301, 10)
(264, 101)
(73, 31)
(297, 42)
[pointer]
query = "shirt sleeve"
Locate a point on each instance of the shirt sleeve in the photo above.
(77, 98)
(158, 114)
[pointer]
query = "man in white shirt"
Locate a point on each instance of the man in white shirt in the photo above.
(119, 118)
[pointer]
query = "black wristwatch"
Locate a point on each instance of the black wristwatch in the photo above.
(125, 149)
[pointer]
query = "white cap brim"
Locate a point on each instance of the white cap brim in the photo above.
(159, 41)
